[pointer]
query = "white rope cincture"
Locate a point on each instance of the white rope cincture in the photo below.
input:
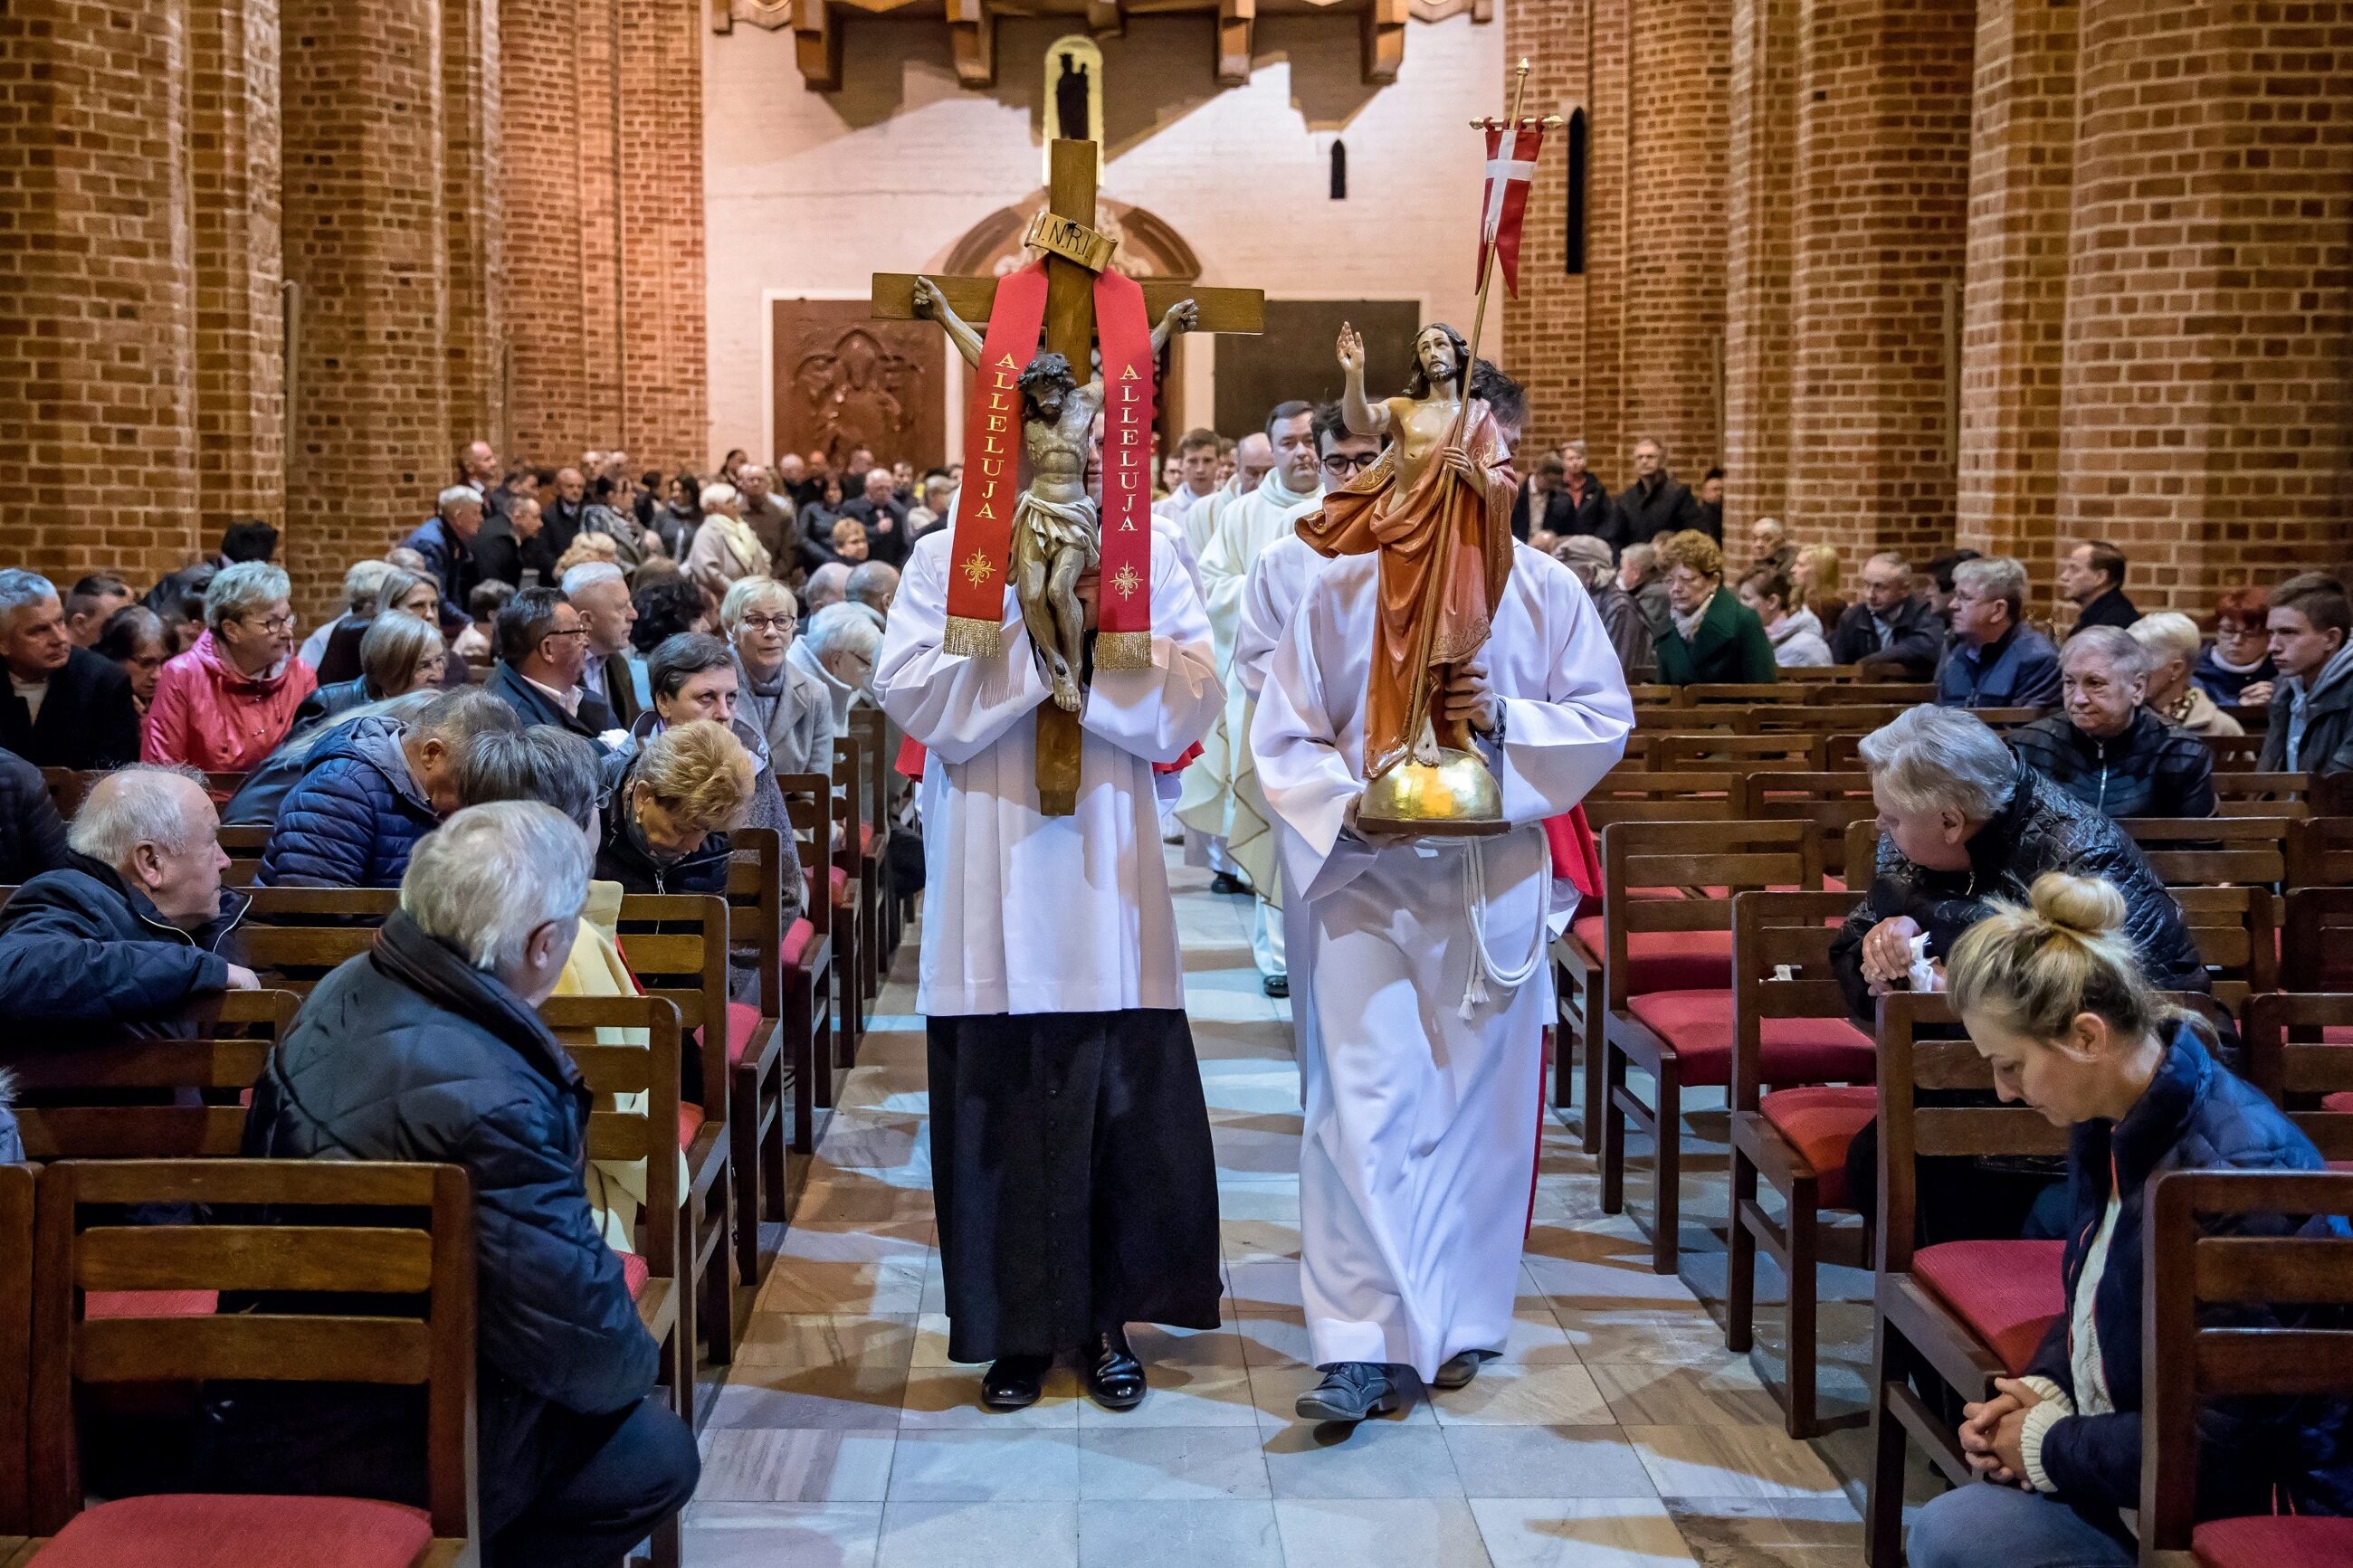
(1483, 966)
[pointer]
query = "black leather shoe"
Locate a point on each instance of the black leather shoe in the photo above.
(1459, 1370)
(1015, 1382)
(1114, 1377)
(1351, 1389)
(1229, 885)
(1276, 985)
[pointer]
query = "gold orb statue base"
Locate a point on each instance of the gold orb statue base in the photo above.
(1456, 797)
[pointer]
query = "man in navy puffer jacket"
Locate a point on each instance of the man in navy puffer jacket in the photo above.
(371, 794)
(429, 1047)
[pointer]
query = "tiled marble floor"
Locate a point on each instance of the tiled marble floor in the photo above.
(1615, 1431)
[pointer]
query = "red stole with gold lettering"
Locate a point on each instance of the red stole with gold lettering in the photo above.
(1123, 602)
(981, 543)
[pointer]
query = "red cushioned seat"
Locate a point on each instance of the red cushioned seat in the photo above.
(1820, 1121)
(742, 1021)
(1698, 1024)
(2337, 1033)
(798, 937)
(635, 1272)
(689, 1122)
(866, 838)
(150, 1303)
(2273, 1541)
(2341, 1102)
(206, 1531)
(1665, 960)
(2007, 1291)
(841, 880)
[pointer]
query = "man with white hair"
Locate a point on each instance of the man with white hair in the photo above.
(828, 584)
(838, 644)
(429, 1047)
(65, 707)
(601, 594)
(445, 543)
(134, 926)
(885, 519)
(360, 584)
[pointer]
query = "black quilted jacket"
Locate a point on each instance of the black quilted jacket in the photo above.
(2042, 828)
(2150, 770)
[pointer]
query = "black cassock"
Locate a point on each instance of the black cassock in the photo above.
(1076, 1186)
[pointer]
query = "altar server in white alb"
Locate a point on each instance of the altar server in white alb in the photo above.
(1073, 1171)
(1427, 988)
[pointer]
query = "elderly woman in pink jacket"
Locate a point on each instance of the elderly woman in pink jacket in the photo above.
(226, 702)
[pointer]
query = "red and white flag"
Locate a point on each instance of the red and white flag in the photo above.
(1508, 174)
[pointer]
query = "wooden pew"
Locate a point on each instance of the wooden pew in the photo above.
(16, 1351)
(811, 980)
(756, 1048)
(72, 1096)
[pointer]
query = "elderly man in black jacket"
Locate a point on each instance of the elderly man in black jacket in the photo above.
(63, 707)
(1894, 633)
(429, 1047)
(135, 925)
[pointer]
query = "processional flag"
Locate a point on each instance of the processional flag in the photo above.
(1509, 174)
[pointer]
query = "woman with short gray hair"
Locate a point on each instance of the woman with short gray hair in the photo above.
(779, 698)
(225, 703)
(2106, 746)
(1961, 822)
(2170, 644)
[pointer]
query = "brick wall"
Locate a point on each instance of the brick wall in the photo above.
(97, 311)
(545, 86)
(233, 141)
(2014, 323)
(2208, 398)
(1544, 330)
(474, 332)
(1761, 148)
(365, 241)
(659, 189)
(1881, 186)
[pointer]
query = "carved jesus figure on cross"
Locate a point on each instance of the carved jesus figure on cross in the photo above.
(1057, 531)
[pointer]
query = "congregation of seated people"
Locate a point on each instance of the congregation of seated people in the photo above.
(556, 693)
(567, 689)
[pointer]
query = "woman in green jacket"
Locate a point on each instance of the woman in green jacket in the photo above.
(1710, 635)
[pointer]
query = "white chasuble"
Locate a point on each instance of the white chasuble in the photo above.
(1023, 912)
(1428, 987)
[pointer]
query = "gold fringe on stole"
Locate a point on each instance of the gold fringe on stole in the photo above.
(972, 638)
(1122, 650)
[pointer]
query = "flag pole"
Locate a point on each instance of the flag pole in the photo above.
(1487, 248)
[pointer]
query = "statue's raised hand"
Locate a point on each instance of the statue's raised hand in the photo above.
(1352, 349)
(929, 300)
(1182, 317)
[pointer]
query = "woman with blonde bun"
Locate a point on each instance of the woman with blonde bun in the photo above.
(2055, 1001)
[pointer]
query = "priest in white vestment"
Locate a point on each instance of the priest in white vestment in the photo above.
(1289, 489)
(1427, 988)
(1074, 1174)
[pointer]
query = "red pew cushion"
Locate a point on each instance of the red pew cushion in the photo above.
(742, 1021)
(635, 1272)
(207, 1530)
(866, 838)
(841, 880)
(2008, 1292)
(2273, 1541)
(689, 1122)
(1664, 960)
(2341, 1102)
(150, 1303)
(1820, 1121)
(798, 937)
(1698, 1024)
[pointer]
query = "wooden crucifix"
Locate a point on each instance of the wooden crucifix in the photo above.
(1074, 253)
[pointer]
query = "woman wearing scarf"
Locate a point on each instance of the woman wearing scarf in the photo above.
(776, 697)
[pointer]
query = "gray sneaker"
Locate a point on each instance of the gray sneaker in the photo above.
(1351, 1389)
(1459, 1370)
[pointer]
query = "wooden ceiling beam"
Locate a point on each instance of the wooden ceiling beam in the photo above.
(817, 45)
(1236, 21)
(1384, 30)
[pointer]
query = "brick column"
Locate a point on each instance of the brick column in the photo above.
(471, 125)
(1542, 330)
(2014, 323)
(1671, 351)
(2207, 425)
(233, 138)
(365, 241)
(1608, 203)
(1761, 138)
(542, 87)
(97, 312)
(664, 382)
(1881, 200)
